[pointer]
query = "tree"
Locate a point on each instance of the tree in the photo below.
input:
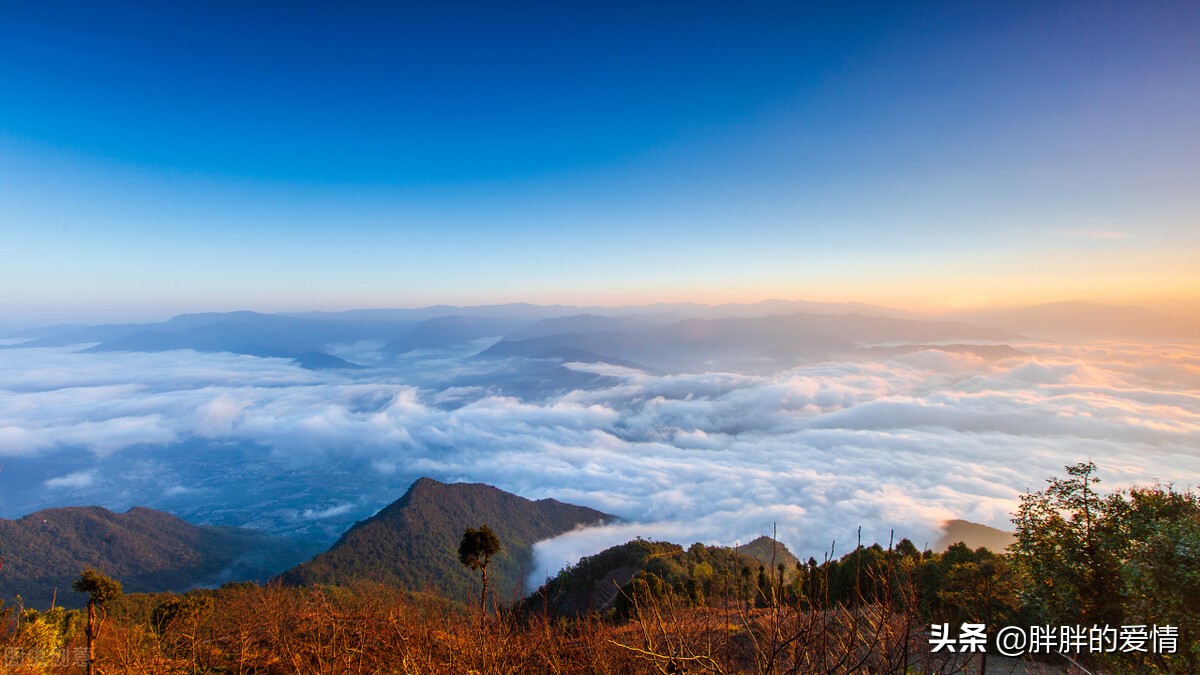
(1161, 571)
(762, 588)
(1129, 557)
(476, 551)
(1065, 541)
(906, 549)
(100, 590)
(985, 590)
(180, 622)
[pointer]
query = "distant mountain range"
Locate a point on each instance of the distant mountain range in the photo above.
(655, 338)
(146, 550)
(1088, 319)
(678, 310)
(449, 331)
(736, 343)
(267, 335)
(413, 543)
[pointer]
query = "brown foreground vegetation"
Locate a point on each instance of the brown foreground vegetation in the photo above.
(1128, 558)
(377, 629)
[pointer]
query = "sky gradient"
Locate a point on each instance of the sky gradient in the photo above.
(293, 156)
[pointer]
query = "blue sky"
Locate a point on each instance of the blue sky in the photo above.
(275, 156)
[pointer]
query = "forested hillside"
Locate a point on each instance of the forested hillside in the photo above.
(412, 543)
(148, 550)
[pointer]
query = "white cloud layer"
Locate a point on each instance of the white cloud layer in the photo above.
(820, 450)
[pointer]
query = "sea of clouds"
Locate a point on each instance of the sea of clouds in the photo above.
(898, 444)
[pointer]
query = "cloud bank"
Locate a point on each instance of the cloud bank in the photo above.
(899, 444)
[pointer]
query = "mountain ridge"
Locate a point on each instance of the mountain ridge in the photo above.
(146, 549)
(1073, 318)
(413, 542)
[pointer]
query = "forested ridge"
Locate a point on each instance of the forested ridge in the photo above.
(148, 550)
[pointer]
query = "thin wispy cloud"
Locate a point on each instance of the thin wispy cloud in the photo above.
(78, 479)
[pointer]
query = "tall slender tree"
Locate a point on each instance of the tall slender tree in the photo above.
(101, 590)
(1065, 541)
(476, 551)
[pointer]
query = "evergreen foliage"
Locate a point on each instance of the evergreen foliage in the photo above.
(100, 588)
(477, 547)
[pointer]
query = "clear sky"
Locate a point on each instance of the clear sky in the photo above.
(157, 158)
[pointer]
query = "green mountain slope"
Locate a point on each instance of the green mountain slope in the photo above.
(413, 543)
(603, 582)
(147, 550)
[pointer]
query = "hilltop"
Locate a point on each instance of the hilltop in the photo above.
(413, 542)
(147, 550)
(603, 582)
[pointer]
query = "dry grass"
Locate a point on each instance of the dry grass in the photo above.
(376, 629)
